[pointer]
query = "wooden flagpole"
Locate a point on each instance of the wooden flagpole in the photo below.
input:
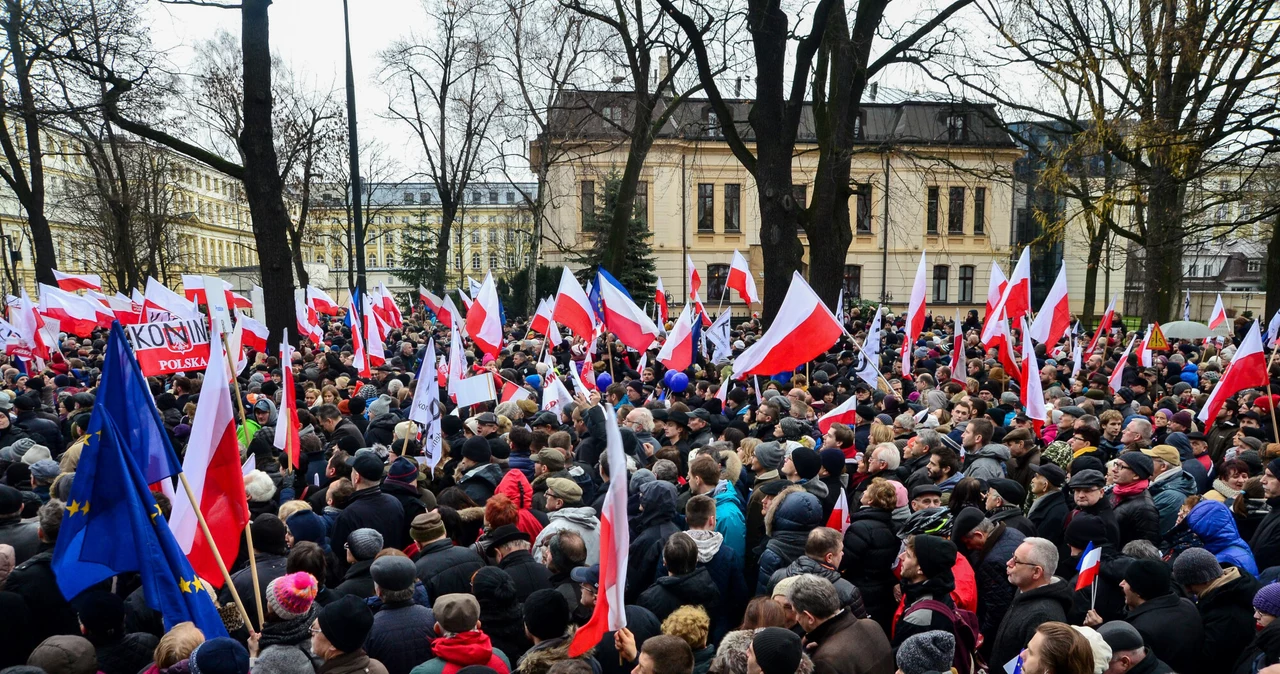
(217, 556)
(253, 572)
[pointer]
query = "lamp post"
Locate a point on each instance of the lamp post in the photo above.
(353, 150)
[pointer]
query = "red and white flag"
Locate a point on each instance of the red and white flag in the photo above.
(212, 468)
(1055, 314)
(513, 393)
(1015, 300)
(434, 304)
(958, 364)
(1248, 369)
(466, 300)
(1143, 353)
(572, 308)
(308, 322)
(622, 317)
(484, 318)
(1032, 391)
(254, 335)
(915, 315)
(321, 302)
(679, 350)
(845, 413)
(159, 298)
(374, 336)
(287, 425)
(840, 515)
(358, 358)
(387, 305)
(1219, 315)
(239, 301)
(694, 280)
(660, 300)
(1002, 342)
(1116, 380)
(803, 328)
(75, 314)
(610, 609)
(541, 323)
(1104, 326)
(71, 282)
(740, 279)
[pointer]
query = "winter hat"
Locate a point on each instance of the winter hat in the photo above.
(769, 454)
(546, 614)
(67, 654)
(305, 525)
(36, 453)
(965, 522)
(793, 428)
(404, 471)
(1196, 566)
(393, 572)
(380, 406)
(832, 461)
(17, 450)
(45, 470)
(477, 450)
(101, 612)
(1139, 463)
(1101, 650)
(1009, 490)
(364, 543)
(1274, 466)
(1148, 578)
(777, 650)
(427, 527)
(290, 596)
(344, 622)
(934, 554)
(221, 655)
(1121, 636)
(1084, 529)
(806, 463)
(457, 613)
(284, 660)
(927, 652)
(1267, 600)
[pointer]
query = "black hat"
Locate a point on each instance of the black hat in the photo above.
(935, 555)
(477, 449)
(1121, 636)
(100, 611)
(700, 413)
(487, 418)
(807, 462)
(1139, 463)
(926, 488)
(1010, 491)
(1085, 529)
(1087, 479)
(678, 418)
(1196, 435)
(773, 487)
(1148, 578)
(367, 465)
(10, 500)
(865, 413)
(965, 522)
(777, 650)
(393, 572)
(24, 403)
(586, 574)
(545, 419)
(345, 622)
(505, 534)
(1086, 463)
(546, 614)
(1050, 472)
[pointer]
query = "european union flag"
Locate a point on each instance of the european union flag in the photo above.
(112, 525)
(127, 400)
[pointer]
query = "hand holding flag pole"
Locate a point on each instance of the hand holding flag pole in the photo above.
(869, 359)
(222, 566)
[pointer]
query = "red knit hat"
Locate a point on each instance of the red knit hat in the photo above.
(290, 596)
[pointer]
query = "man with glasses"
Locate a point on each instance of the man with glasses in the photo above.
(1040, 597)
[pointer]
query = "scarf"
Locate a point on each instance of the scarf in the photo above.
(1222, 488)
(1131, 489)
(291, 632)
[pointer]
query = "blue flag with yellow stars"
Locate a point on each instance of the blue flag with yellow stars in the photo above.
(112, 525)
(128, 401)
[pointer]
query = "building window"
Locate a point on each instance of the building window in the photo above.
(966, 284)
(511, 236)
(390, 260)
(799, 194)
(475, 236)
(373, 260)
(475, 261)
(860, 125)
(511, 197)
(711, 123)
(613, 114)
(717, 278)
(457, 260)
(511, 260)
(493, 260)
(588, 203)
(941, 274)
(931, 217)
(863, 222)
(424, 197)
(706, 207)
(493, 236)
(955, 210)
(852, 281)
(732, 207)
(1253, 266)
(642, 202)
(408, 197)
(493, 197)
(979, 210)
(957, 128)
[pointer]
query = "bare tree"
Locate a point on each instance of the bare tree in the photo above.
(381, 177)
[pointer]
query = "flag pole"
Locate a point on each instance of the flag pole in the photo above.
(1093, 600)
(253, 573)
(1275, 428)
(235, 380)
(884, 380)
(217, 555)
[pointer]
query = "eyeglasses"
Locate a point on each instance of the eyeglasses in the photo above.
(315, 629)
(1014, 561)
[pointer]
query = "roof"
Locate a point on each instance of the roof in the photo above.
(586, 115)
(426, 194)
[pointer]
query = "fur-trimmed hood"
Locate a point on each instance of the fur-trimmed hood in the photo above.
(540, 658)
(793, 509)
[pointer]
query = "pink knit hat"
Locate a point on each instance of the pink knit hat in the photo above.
(290, 596)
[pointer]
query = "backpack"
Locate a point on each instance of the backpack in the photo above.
(968, 637)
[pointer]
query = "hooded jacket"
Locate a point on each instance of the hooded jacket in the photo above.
(730, 519)
(649, 534)
(445, 568)
(669, 593)
(850, 595)
(463, 650)
(516, 487)
(1028, 611)
(870, 549)
(1265, 541)
(582, 520)
(382, 430)
(1226, 611)
(371, 508)
(481, 482)
(1168, 491)
(988, 463)
(793, 513)
(1216, 527)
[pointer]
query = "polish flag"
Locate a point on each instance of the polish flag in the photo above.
(660, 299)
(1104, 326)
(287, 426)
(1117, 376)
(1055, 314)
(194, 291)
(74, 313)
(722, 393)
(541, 318)
(29, 325)
(1273, 328)
(513, 393)
(433, 303)
(306, 318)
(160, 298)
(239, 301)
(840, 515)
(449, 314)
(555, 396)
(466, 301)
(621, 315)
(1248, 369)
(320, 301)
(610, 610)
(387, 304)
(1219, 315)
(740, 279)
(915, 315)
(255, 333)
(120, 306)
(695, 281)
(212, 469)
(358, 360)
(844, 414)
(1089, 565)
(72, 282)
(374, 339)
(958, 364)
(1002, 342)
(1144, 354)
(572, 308)
(1032, 391)
(484, 318)
(995, 289)
(803, 328)
(1015, 301)
(678, 351)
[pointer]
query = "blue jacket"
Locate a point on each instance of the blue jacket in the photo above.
(730, 520)
(522, 462)
(1216, 527)
(1169, 494)
(792, 515)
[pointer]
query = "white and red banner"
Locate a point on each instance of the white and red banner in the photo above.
(484, 318)
(844, 414)
(740, 279)
(72, 282)
(572, 308)
(1248, 369)
(287, 424)
(915, 315)
(803, 328)
(170, 346)
(1055, 314)
(1219, 315)
(660, 300)
(1116, 380)
(321, 302)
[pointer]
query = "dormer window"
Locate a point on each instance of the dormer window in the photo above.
(957, 128)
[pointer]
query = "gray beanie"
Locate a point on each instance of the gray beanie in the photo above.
(927, 652)
(35, 454)
(15, 451)
(364, 543)
(281, 660)
(1196, 566)
(793, 429)
(769, 454)
(380, 406)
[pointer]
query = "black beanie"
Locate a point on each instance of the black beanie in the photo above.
(1084, 529)
(546, 614)
(346, 622)
(777, 650)
(807, 462)
(477, 449)
(1148, 578)
(935, 555)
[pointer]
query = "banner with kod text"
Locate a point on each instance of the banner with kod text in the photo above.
(165, 347)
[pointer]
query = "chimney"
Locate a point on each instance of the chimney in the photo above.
(737, 88)
(872, 90)
(664, 67)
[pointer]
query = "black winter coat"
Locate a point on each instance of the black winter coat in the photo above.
(1172, 629)
(1012, 517)
(1138, 519)
(651, 531)
(1263, 651)
(372, 509)
(34, 581)
(528, 575)
(870, 548)
(270, 567)
(995, 594)
(1028, 611)
(911, 623)
(1266, 540)
(669, 593)
(382, 430)
(1048, 514)
(410, 501)
(345, 428)
(445, 568)
(1226, 611)
(401, 636)
(357, 582)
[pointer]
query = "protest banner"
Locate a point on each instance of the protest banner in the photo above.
(165, 347)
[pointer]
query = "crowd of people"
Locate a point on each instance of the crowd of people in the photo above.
(941, 530)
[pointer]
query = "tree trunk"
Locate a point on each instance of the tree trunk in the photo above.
(535, 247)
(615, 255)
(33, 200)
(439, 275)
(1096, 244)
(264, 188)
(1163, 263)
(1272, 280)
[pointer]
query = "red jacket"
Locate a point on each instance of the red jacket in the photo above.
(965, 594)
(466, 649)
(515, 486)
